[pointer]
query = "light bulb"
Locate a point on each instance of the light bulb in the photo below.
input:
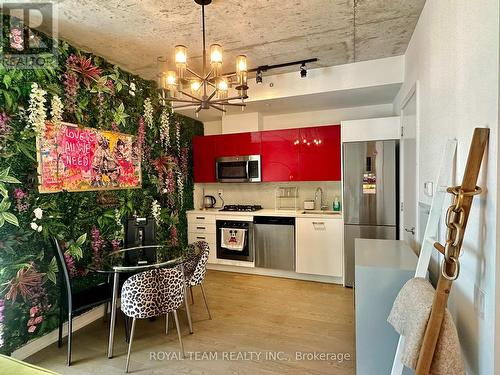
(180, 53)
(216, 54)
(241, 64)
(171, 79)
(223, 86)
(195, 85)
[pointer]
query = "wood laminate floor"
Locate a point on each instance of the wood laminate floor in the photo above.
(259, 324)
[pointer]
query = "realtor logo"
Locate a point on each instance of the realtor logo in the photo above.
(22, 46)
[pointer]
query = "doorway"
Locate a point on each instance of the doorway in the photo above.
(409, 169)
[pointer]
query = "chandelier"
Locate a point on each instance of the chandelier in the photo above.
(205, 90)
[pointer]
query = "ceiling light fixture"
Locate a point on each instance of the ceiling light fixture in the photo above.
(258, 77)
(208, 89)
(303, 70)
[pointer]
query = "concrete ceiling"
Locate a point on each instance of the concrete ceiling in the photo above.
(133, 33)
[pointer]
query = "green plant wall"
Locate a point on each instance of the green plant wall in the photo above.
(87, 90)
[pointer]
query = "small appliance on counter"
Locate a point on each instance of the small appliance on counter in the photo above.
(209, 201)
(309, 204)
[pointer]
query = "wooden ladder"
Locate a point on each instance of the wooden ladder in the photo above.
(456, 222)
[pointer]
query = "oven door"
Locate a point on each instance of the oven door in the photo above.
(238, 169)
(247, 253)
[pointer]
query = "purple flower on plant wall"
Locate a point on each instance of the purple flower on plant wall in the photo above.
(5, 129)
(184, 161)
(111, 86)
(21, 197)
(2, 306)
(174, 238)
(97, 245)
(114, 127)
(71, 86)
(70, 263)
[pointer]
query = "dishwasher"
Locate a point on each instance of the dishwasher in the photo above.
(274, 240)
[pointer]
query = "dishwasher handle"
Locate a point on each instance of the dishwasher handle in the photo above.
(274, 220)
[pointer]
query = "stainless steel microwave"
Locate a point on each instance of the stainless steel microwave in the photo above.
(238, 169)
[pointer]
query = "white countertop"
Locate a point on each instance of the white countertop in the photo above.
(384, 254)
(270, 212)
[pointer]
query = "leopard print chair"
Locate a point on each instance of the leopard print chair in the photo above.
(195, 268)
(153, 293)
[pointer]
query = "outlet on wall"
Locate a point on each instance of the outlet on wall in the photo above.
(479, 300)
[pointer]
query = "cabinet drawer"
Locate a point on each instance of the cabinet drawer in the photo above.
(201, 228)
(207, 237)
(199, 218)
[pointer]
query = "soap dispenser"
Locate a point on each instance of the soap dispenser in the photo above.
(336, 204)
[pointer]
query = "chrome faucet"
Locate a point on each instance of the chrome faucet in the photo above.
(318, 203)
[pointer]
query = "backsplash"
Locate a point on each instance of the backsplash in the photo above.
(264, 193)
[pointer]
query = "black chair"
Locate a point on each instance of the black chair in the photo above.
(76, 300)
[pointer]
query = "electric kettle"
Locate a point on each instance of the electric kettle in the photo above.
(209, 201)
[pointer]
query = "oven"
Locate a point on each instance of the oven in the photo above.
(246, 252)
(238, 169)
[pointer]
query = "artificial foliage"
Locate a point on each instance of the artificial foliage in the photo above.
(87, 90)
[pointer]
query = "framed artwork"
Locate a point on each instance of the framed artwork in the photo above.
(74, 158)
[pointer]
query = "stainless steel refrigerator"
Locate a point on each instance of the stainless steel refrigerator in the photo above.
(371, 195)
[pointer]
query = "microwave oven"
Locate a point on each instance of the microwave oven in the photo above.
(238, 169)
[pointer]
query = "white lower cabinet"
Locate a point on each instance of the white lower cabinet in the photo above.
(319, 246)
(202, 228)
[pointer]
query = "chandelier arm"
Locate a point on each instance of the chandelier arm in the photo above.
(211, 84)
(217, 107)
(211, 96)
(198, 109)
(233, 104)
(226, 99)
(209, 74)
(186, 105)
(194, 73)
(190, 96)
(170, 99)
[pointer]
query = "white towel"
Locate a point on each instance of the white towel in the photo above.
(233, 238)
(409, 316)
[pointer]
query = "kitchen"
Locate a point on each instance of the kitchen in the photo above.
(282, 191)
(280, 170)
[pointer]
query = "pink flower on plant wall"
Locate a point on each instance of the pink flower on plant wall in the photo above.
(34, 310)
(31, 329)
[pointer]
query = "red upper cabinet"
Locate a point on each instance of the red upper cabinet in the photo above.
(204, 158)
(238, 144)
(280, 155)
(319, 155)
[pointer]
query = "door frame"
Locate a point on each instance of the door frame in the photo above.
(414, 90)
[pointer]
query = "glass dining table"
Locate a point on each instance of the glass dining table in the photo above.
(134, 260)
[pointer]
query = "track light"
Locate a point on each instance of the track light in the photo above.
(258, 77)
(303, 70)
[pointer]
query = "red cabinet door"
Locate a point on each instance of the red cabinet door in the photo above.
(319, 155)
(280, 155)
(204, 158)
(239, 144)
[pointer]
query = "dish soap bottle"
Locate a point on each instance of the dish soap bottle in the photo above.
(336, 205)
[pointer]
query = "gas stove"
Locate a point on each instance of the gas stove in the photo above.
(241, 207)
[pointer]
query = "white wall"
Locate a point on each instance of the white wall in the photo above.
(310, 118)
(240, 123)
(325, 117)
(454, 55)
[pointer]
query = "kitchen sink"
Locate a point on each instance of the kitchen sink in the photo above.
(318, 212)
